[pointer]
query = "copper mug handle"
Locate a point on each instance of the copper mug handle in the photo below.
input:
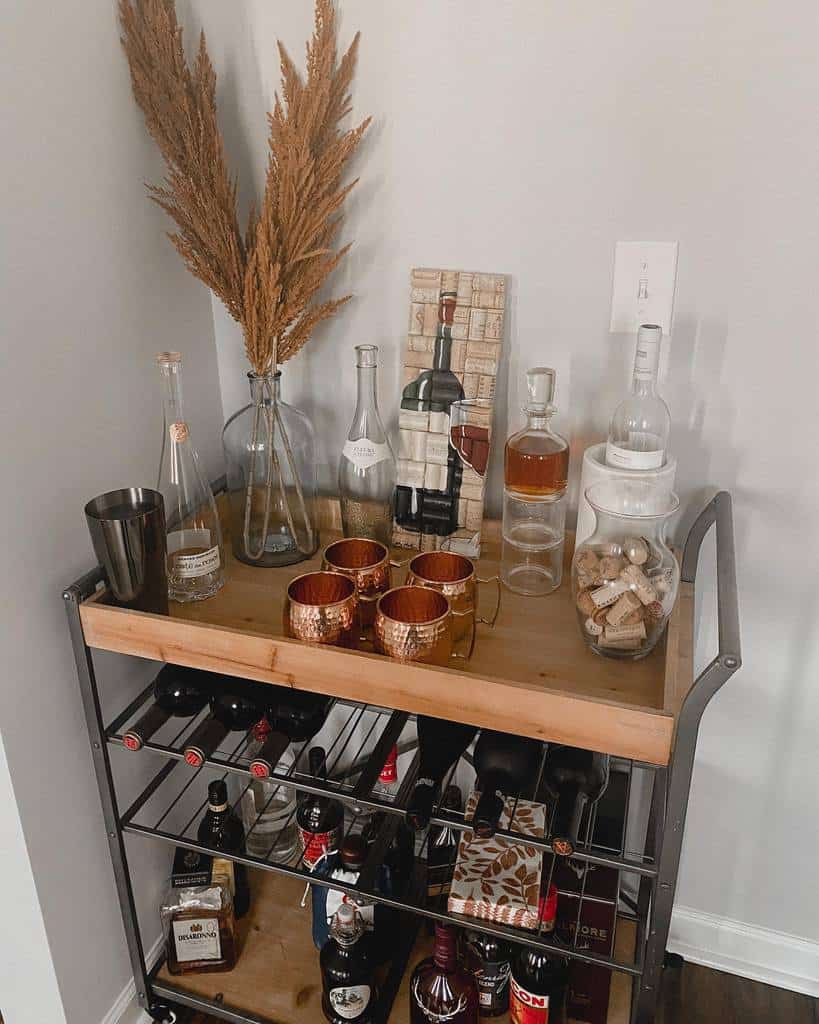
(494, 619)
(469, 653)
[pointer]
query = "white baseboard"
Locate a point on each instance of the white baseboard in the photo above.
(750, 951)
(125, 1009)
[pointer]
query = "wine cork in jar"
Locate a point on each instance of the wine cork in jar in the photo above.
(609, 593)
(586, 561)
(585, 604)
(611, 566)
(624, 606)
(592, 628)
(636, 550)
(637, 632)
(639, 583)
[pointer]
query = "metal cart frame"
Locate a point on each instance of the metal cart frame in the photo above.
(669, 800)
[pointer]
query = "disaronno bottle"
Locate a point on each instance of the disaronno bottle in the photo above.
(195, 555)
(367, 470)
(638, 433)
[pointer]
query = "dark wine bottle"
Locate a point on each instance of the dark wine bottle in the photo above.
(576, 779)
(221, 829)
(487, 957)
(505, 764)
(294, 717)
(442, 852)
(320, 819)
(440, 744)
(538, 988)
(346, 970)
(229, 712)
(179, 692)
(440, 988)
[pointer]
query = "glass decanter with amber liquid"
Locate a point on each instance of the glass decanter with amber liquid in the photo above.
(536, 470)
(536, 460)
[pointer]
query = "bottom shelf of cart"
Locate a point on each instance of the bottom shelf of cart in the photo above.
(277, 977)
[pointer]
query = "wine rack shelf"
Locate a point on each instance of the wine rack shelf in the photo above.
(531, 674)
(356, 739)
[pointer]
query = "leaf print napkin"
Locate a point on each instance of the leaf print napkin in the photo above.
(497, 879)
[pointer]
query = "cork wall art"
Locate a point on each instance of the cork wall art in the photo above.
(451, 360)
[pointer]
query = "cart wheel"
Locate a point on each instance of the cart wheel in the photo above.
(673, 961)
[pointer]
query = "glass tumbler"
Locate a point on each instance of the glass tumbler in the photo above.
(532, 549)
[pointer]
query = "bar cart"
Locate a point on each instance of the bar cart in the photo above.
(530, 675)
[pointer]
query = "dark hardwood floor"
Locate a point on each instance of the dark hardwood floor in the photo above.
(697, 995)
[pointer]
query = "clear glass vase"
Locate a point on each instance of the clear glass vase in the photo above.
(271, 476)
(625, 577)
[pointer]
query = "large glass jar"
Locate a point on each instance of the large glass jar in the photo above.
(625, 577)
(271, 476)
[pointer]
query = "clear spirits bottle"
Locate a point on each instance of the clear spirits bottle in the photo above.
(638, 433)
(195, 555)
(536, 469)
(367, 469)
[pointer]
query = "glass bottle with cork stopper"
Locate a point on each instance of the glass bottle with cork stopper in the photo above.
(195, 554)
(536, 465)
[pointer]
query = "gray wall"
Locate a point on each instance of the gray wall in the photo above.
(528, 138)
(91, 291)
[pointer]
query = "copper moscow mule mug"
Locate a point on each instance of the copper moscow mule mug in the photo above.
(322, 608)
(367, 563)
(415, 624)
(455, 577)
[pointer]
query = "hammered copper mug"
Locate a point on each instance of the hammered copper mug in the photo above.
(367, 563)
(456, 578)
(414, 624)
(322, 608)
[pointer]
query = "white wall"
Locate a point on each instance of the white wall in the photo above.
(91, 291)
(527, 138)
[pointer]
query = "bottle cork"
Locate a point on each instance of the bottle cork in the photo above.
(622, 607)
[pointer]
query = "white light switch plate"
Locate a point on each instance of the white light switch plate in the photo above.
(645, 276)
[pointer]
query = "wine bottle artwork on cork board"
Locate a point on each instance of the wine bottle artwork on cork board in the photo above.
(451, 363)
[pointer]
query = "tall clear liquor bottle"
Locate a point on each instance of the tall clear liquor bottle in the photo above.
(195, 554)
(419, 507)
(638, 433)
(367, 469)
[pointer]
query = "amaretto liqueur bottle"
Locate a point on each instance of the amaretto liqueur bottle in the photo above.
(367, 469)
(195, 555)
(638, 433)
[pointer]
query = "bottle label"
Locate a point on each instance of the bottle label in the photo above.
(188, 567)
(527, 1007)
(625, 458)
(389, 770)
(364, 453)
(492, 980)
(646, 359)
(222, 866)
(317, 845)
(197, 939)
(350, 1002)
(438, 1016)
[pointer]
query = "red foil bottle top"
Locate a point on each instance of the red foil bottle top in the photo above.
(389, 771)
(194, 758)
(547, 906)
(132, 741)
(261, 730)
(259, 769)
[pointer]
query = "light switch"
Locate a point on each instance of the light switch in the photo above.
(645, 277)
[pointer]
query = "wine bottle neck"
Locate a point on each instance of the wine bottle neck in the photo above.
(366, 407)
(444, 952)
(442, 354)
(646, 364)
(172, 393)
